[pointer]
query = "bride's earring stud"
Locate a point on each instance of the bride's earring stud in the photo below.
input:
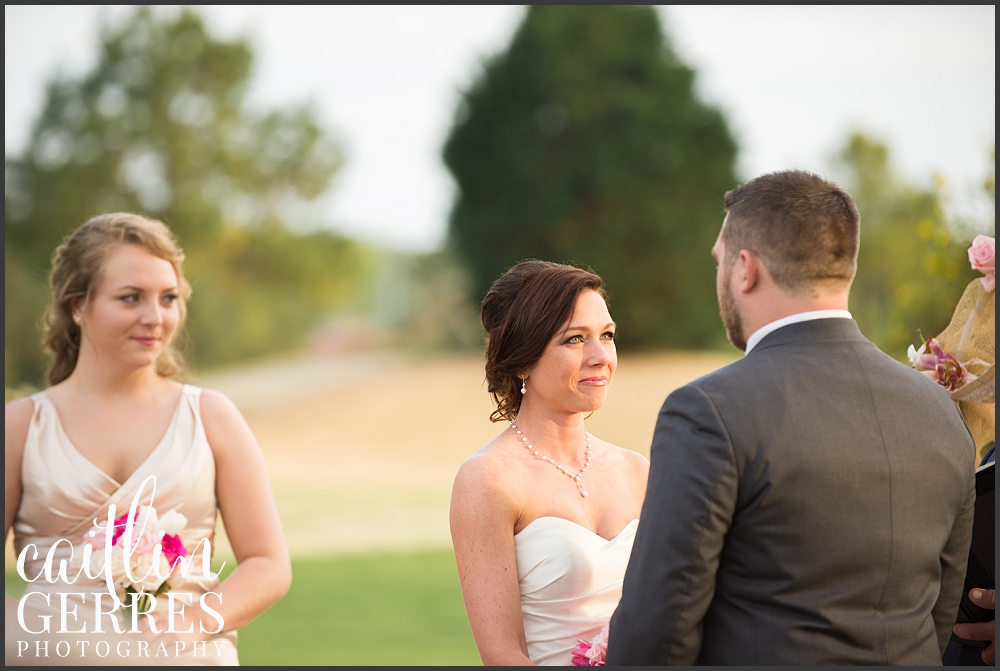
(76, 318)
(524, 389)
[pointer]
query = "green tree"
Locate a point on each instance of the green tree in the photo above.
(584, 142)
(912, 267)
(160, 126)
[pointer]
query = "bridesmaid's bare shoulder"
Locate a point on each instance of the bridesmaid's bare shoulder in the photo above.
(17, 418)
(227, 432)
(217, 405)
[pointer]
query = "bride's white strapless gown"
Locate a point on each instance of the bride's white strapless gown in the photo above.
(570, 581)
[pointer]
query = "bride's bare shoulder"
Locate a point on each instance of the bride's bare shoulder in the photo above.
(491, 468)
(635, 459)
(635, 462)
(631, 469)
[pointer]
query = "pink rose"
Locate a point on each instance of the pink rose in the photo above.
(95, 538)
(173, 547)
(982, 256)
(580, 653)
(142, 543)
(120, 525)
(591, 653)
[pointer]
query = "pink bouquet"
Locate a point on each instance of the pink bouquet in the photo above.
(592, 652)
(143, 560)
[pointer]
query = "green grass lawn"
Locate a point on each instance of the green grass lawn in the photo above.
(392, 609)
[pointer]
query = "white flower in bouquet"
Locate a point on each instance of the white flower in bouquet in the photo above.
(150, 571)
(171, 522)
(154, 546)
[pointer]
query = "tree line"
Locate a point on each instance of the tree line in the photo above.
(584, 141)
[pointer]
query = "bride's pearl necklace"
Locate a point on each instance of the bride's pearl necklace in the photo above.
(562, 469)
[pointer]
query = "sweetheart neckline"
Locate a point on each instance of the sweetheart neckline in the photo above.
(577, 524)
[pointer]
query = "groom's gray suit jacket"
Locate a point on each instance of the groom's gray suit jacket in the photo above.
(809, 504)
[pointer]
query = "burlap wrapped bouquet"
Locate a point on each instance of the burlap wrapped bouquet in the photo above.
(971, 336)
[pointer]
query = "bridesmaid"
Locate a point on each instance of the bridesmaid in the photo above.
(113, 415)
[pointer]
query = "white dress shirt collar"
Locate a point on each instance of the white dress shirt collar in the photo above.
(767, 329)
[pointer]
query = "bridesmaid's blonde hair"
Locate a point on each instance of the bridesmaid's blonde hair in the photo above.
(76, 272)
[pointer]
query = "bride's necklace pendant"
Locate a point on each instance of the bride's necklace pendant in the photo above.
(562, 469)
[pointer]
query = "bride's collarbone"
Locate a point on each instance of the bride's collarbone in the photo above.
(602, 478)
(535, 459)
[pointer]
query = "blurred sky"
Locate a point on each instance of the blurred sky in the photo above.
(793, 82)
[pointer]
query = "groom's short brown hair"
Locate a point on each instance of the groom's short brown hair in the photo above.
(806, 229)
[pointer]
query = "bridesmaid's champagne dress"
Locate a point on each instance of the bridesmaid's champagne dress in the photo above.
(62, 495)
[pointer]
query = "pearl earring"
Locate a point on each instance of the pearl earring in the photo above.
(76, 318)
(524, 390)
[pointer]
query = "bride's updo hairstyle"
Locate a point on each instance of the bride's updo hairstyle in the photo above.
(521, 313)
(76, 274)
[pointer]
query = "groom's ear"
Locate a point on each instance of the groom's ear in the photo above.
(747, 271)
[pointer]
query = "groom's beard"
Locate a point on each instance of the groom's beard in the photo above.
(730, 313)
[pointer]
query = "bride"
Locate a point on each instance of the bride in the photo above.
(113, 418)
(544, 515)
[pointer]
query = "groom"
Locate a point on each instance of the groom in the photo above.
(812, 502)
